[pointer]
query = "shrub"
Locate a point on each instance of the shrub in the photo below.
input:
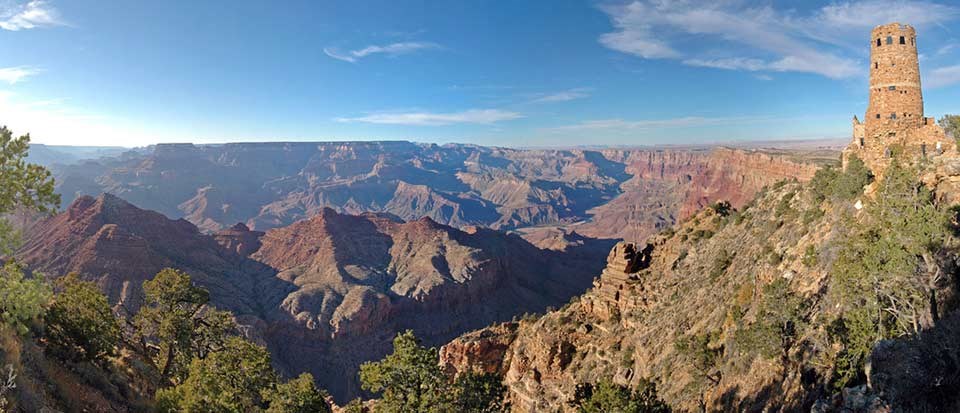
(605, 396)
(409, 379)
(228, 380)
(885, 268)
(698, 349)
(810, 256)
(299, 395)
(80, 323)
(722, 208)
(720, 263)
(22, 300)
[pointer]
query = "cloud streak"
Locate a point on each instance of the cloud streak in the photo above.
(393, 49)
(733, 35)
(478, 116)
(14, 75)
(32, 15)
(943, 76)
(622, 125)
(564, 96)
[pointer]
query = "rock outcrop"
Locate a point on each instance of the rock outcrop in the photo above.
(327, 293)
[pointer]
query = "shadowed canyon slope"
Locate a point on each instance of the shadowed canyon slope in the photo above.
(604, 194)
(327, 293)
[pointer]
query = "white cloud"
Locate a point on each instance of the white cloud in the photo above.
(736, 35)
(483, 116)
(564, 96)
(621, 125)
(394, 49)
(12, 75)
(943, 76)
(33, 14)
(733, 63)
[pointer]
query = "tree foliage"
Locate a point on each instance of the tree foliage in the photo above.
(607, 397)
(299, 395)
(80, 324)
(22, 185)
(175, 324)
(22, 300)
(229, 380)
(886, 270)
(831, 183)
(411, 380)
(478, 393)
(951, 124)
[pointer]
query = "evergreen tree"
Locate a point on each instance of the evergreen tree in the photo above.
(80, 324)
(229, 380)
(409, 380)
(607, 397)
(175, 324)
(299, 395)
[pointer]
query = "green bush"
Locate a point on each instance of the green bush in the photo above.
(699, 349)
(885, 268)
(607, 397)
(299, 395)
(231, 379)
(22, 300)
(720, 264)
(830, 183)
(810, 256)
(80, 324)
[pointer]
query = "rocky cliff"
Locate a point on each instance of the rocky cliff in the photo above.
(744, 311)
(327, 293)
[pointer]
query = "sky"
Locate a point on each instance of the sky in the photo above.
(505, 73)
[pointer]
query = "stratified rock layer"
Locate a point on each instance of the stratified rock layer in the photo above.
(327, 293)
(617, 194)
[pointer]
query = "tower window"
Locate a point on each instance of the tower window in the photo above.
(861, 142)
(878, 42)
(903, 40)
(889, 39)
(892, 88)
(876, 65)
(878, 116)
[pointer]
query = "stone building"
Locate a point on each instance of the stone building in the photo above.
(895, 123)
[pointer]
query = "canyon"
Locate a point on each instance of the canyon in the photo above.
(604, 193)
(332, 249)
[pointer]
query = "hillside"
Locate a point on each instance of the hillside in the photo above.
(324, 294)
(773, 307)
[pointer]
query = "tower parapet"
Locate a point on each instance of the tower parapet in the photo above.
(895, 123)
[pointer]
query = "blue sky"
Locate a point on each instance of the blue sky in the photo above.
(511, 73)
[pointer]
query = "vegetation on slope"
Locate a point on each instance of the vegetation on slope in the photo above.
(780, 305)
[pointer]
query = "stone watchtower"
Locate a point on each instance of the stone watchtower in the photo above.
(895, 95)
(894, 123)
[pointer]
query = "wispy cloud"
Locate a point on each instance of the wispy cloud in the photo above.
(564, 96)
(30, 15)
(482, 116)
(735, 35)
(650, 124)
(943, 76)
(12, 75)
(393, 49)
